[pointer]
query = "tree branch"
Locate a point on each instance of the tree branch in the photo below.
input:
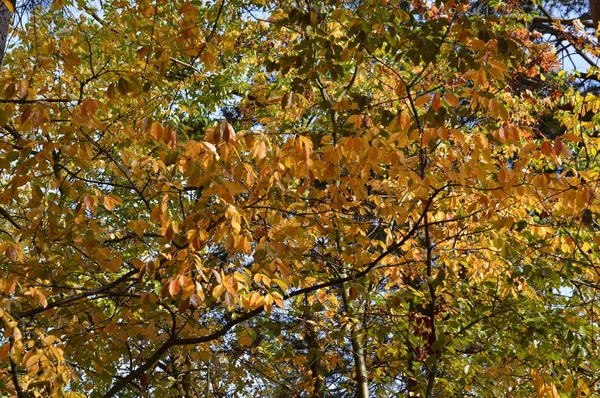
(553, 31)
(15, 378)
(585, 22)
(39, 310)
(35, 101)
(8, 217)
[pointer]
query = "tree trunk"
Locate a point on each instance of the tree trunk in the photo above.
(5, 17)
(314, 356)
(358, 352)
(595, 11)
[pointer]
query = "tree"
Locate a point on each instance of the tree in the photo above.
(7, 8)
(297, 199)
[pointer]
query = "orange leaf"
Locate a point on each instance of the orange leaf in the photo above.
(261, 152)
(451, 99)
(482, 78)
(405, 121)
(174, 287)
(90, 202)
(245, 340)
(156, 130)
(546, 148)
(422, 100)
(4, 351)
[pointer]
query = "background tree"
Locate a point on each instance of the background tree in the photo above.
(7, 9)
(297, 198)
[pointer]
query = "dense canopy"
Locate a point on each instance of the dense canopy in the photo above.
(300, 199)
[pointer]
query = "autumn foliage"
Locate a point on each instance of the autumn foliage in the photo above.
(293, 199)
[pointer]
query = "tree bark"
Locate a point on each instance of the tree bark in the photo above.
(5, 17)
(358, 352)
(595, 11)
(314, 356)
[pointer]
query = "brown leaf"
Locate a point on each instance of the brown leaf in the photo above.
(227, 133)
(183, 305)
(10, 91)
(4, 351)
(195, 300)
(436, 103)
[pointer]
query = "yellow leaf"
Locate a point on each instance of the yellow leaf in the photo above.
(496, 73)
(261, 150)
(210, 147)
(281, 284)
(538, 383)
(471, 74)
(30, 360)
(236, 223)
(457, 136)
(110, 201)
(218, 290)
(17, 335)
(503, 112)
(114, 264)
(568, 385)
(478, 44)
(553, 391)
(42, 298)
(10, 4)
(498, 65)
(584, 387)
(210, 60)
(342, 105)
(493, 107)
